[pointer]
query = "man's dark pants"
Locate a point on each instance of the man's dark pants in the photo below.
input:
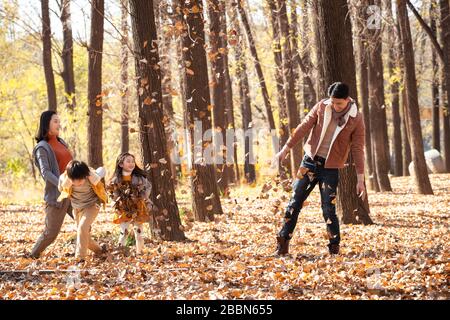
(314, 173)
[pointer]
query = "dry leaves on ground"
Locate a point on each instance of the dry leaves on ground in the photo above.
(404, 255)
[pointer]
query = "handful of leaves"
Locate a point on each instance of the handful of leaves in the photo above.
(126, 198)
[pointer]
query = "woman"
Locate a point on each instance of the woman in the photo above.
(51, 156)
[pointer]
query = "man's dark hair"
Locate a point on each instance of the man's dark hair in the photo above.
(77, 170)
(338, 90)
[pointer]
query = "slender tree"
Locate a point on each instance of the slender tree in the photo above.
(289, 83)
(377, 105)
(443, 53)
(234, 174)
(436, 140)
(276, 48)
(262, 81)
(339, 65)
(309, 91)
(363, 88)
(394, 84)
(320, 75)
(205, 192)
(216, 54)
(244, 99)
(412, 105)
(95, 50)
(125, 139)
(67, 54)
(47, 56)
(444, 9)
(165, 223)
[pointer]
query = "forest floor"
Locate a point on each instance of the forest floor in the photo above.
(403, 255)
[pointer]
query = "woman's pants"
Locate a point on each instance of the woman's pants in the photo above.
(54, 218)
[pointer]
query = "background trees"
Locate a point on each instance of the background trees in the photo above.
(229, 65)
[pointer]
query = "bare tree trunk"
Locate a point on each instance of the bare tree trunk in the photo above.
(444, 55)
(233, 170)
(95, 121)
(289, 84)
(377, 105)
(394, 56)
(244, 98)
(125, 139)
(165, 224)
(47, 56)
(445, 40)
(262, 81)
(216, 57)
(165, 11)
(339, 65)
(309, 92)
(67, 55)
(363, 90)
(283, 122)
(435, 82)
(420, 167)
(321, 85)
(205, 193)
(406, 144)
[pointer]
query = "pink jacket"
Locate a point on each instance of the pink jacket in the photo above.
(351, 136)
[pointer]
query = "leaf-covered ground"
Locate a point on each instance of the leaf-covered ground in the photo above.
(404, 255)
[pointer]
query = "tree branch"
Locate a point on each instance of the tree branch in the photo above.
(427, 30)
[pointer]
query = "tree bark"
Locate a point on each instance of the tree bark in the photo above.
(363, 90)
(244, 98)
(95, 50)
(67, 56)
(205, 193)
(321, 85)
(165, 223)
(406, 151)
(339, 65)
(234, 174)
(47, 56)
(420, 168)
(394, 56)
(262, 81)
(289, 84)
(444, 55)
(285, 168)
(125, 139)
(309, 92)
(445, 40)
(436, 140)
(377, 105)
(216, 57)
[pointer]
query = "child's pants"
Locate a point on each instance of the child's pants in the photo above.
(84, 218)
(138, 231)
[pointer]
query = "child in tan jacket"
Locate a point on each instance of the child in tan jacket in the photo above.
(83, 186)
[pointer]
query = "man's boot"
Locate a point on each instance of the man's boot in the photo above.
(283, 246)
(333, 248)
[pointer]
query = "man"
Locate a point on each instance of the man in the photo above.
(335, 127)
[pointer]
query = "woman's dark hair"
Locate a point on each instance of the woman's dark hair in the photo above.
(77, 170)
(44, 125)
(118, 169)
(338, 90)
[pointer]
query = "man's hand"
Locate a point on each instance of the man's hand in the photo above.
(360, 187)
(280, 156)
